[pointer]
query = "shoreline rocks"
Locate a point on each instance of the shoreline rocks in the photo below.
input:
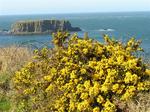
(41, 27)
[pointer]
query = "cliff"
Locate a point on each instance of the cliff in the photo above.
(41, 27)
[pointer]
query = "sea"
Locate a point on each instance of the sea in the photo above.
(120, 25)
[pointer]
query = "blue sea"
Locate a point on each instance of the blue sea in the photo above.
(121, 26)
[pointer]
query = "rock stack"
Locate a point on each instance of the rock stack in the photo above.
(41, 27)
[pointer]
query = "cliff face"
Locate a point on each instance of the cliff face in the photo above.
(41, 27)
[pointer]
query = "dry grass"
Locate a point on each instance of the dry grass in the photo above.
(12, 58)
(140, 104)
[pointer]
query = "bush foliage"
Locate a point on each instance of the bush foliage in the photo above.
(81, 75)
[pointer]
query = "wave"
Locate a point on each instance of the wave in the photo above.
(100, 30)
(106, 30)
(82, 29)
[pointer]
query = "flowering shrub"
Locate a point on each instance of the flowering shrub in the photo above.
(81, 75)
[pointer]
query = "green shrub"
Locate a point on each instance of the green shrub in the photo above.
(4, 104)
(81, 75)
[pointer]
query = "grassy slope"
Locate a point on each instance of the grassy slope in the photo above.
(11, 59)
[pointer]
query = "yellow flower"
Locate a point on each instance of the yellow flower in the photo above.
(76, 81)
(64, 71)
(92, 63)
(134, 79)
(47, 78)
(73, 74)
(96, 76)
(80, 88)
(96, 109)
(83, 71)
(64, 59)
(100, 99)
(87, 84)
(140, 86)
(84, 96)
(104, 88)
(85, 51)
(109, 107)
(121, 89)
(94, 91)
(49, 88)
(96, 85)
(128, 77)
(72, 106)
(115, 87)
(147, 72)
(129, 93)
(27, 91)
(120, 59)
(99, 50)
(126, 96)
(65, 78)
(53, 70)
(83, 105)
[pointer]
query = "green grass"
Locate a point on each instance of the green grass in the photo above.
(4, 105)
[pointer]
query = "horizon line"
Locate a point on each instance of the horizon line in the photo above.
(19, 14)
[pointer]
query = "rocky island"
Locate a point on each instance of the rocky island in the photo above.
(41, 27)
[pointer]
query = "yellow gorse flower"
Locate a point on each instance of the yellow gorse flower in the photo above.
(81, 75)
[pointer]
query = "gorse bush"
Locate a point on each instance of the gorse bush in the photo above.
(81, 75)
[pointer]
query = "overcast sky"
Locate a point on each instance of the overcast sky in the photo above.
(12, 7)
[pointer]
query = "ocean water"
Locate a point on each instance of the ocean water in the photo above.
(121, 26)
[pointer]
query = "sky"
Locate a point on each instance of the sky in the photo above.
(17, 7)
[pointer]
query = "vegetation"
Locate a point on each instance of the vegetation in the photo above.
(11, 59)
(81, 74)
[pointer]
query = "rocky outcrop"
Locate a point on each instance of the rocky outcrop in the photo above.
(41, 27)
